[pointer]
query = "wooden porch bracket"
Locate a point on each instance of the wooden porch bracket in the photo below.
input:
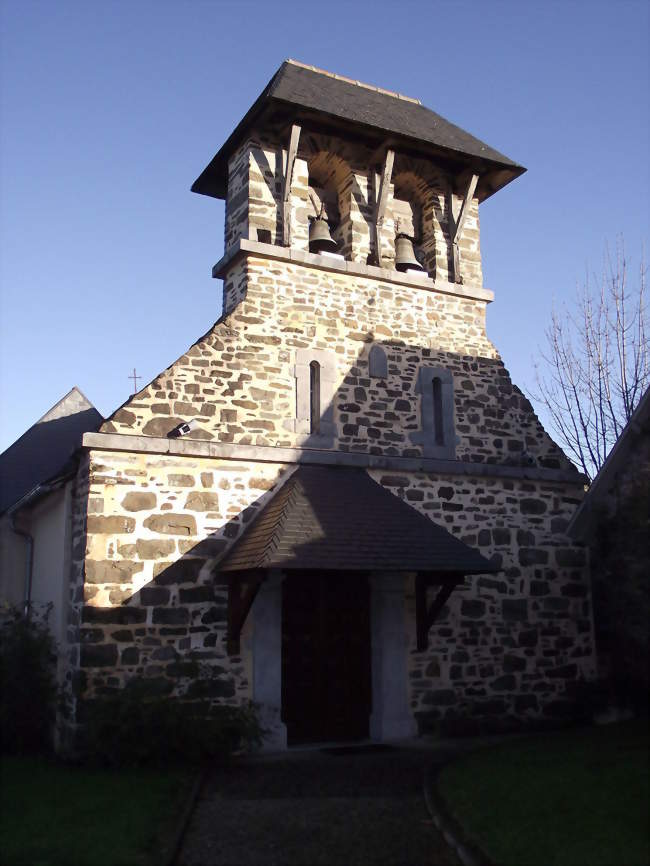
(426, 618)
(286, 184)
(381, 198)
(242, 589)
(456, 226)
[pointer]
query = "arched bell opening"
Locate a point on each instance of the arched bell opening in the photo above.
(329, 212)
(414, 236)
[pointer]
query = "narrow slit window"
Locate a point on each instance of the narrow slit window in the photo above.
(437, 412)
(314, 397)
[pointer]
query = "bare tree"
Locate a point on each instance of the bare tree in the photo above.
(595, 366)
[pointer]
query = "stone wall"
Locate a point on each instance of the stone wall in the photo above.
(238, 383)
(153, 604)
(511, 644)
(150, 605)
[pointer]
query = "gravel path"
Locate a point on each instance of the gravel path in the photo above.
(316, 809)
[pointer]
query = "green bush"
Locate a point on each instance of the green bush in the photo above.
(27, 683)
(135, 728)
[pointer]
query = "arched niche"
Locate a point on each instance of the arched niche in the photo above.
(329, 188)
(412, 214)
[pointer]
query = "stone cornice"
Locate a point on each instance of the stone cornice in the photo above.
(269, 454)
(244, 247)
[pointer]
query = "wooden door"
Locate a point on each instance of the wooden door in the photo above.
(326, 692)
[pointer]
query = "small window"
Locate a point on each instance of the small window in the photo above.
(437, 412)
(316, 378)
(436, 435)
(314, 397)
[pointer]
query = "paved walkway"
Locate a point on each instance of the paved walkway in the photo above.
(309, 808)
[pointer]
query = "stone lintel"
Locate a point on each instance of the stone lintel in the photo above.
(245, 247)
(272, 454)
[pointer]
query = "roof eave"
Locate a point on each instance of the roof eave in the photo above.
(213, 180)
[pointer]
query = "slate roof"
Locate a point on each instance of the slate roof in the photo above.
(44, 450)
(330, 517)
(381, 114)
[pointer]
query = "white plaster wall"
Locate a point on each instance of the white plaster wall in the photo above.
(50, 528)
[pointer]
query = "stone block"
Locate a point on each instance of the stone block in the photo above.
(472, 608)
(433, 668)
(505, 683)
(180, 480)
(196, 595)
(170, 616)
(202, 501)
(154, 595)
(532, 506)
(139, 501)
(512, 663)
(130, 656)
(440, 698)
(514, 609)
(532, 556)
(113, 525)
(161, 426)
(113, 615)
(112, 571)
(171, 524)
(208, 547)
(154, 549)
(216, 614)
(98, 655)
(182, 669)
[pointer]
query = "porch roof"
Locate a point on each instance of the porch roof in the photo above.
(330, 517)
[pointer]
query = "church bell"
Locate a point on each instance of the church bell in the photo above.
(320, 239)
(404, 254)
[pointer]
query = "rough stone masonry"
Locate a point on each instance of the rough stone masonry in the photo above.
(154, 515)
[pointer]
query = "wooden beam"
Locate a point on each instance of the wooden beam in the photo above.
(286, 184)
(456, 225)
(381, 200)
(426, 618)
(242, 589)
(464, 208)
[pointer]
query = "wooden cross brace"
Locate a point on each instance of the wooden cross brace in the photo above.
(425, 618)
(242, 589)
(380, 201)
(456, 226)
(286, 184)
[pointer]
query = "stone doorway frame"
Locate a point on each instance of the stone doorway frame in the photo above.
(391, 717)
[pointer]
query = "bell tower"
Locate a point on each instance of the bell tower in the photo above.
(322, 165)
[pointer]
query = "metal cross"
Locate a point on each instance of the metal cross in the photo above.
(135, 381)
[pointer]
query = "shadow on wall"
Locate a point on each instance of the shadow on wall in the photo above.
(175, 627)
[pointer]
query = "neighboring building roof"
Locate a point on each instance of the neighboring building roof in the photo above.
(329, 517)
(617, 459)
(44, 450)
(381, 114)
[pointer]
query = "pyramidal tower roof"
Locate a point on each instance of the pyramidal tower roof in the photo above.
(329, 101)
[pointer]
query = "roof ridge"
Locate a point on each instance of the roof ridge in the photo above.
(355, 81)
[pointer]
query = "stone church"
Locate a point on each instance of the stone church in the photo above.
(336, 503)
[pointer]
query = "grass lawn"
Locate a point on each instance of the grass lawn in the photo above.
(577, 798)
(55, 815)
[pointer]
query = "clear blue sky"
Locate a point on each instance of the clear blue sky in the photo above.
(111, 109)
